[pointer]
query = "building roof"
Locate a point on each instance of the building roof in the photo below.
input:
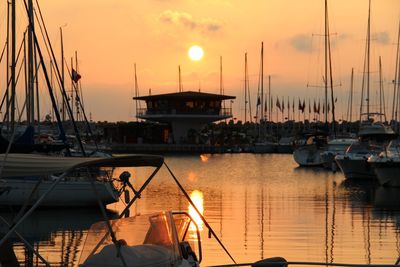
(188, 95)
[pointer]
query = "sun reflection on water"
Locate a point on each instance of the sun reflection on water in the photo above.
(204, 157)
(197, 197)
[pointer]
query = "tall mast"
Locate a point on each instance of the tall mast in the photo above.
(382, 107)
(262, 82)
(221, 86)
(136, 94)
(396, 81)
(7, 114)
(13, 63)
(269, 99)
(368, 57)
(30, 109)
(350, 104)
(62, 73)
(245, 87)
(180, 79)
(326, 61)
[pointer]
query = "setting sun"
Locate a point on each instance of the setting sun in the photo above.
(195, 53)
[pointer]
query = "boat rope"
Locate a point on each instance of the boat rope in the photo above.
(199, 213)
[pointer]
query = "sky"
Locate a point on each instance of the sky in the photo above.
(111, 36)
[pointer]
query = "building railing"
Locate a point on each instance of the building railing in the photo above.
(219, 112)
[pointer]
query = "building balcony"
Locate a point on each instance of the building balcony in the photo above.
(165, 115)
(213, 112)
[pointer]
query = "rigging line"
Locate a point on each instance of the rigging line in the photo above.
(9, 82)
(126, 209)
(107, 221)
(16, 61)
(63, 92)
(26, 243)
(2, 52)
(89, 128)
(198, 212)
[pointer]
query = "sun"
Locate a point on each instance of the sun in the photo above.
(195, 53)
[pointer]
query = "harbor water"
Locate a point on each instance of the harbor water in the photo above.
(259, 206)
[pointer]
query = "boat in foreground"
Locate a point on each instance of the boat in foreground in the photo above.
(159, 239)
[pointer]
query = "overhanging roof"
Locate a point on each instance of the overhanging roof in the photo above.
(188, 95)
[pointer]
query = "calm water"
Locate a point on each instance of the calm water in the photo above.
(259, 206)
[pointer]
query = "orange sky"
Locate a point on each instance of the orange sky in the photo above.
(110, 36)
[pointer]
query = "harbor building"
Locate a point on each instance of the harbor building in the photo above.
(184, 111)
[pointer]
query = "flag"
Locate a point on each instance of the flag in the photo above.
(309, 106)
(278, 104)
(300, 106)
(283, 105)
(75, 76)
(258, 101)
(303, 106)
(319, 107)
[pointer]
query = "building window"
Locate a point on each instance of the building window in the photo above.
(189, 104)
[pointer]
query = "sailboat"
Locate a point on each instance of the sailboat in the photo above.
(262, 145)
(310, 153)
(373, 136)
(25, 186)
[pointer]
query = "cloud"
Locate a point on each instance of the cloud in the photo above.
(381, 37)
(302, 43)
(183, 19)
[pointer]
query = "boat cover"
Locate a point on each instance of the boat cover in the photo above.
(134, 256)
(20, 165)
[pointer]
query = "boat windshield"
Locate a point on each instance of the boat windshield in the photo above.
(147, 238)
(394, 146)
(364, 148)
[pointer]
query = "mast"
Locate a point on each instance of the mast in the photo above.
(30, 109)
(382, 108)
(180, 79)
(396, 81)
(269, 99)
(136, 94)
(326, 61)
(350, 104)
(262, 82)
(62, 73)
(13, 63)
(245, 87)
(330, 77)
(368, 57)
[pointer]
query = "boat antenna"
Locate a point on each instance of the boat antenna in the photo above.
(199, 213)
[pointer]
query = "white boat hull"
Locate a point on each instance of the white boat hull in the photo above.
(355, 168)
(308, 156)
(14, 192)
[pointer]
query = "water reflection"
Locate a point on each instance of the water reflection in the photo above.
(61, 231)
(264, 206)
(197, 197)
